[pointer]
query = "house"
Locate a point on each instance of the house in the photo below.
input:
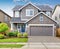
(56, 14)
(5, 18)
(36, 20)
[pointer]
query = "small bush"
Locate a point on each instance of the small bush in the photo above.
(19, 35)
(15, 33)
(25, 35)
(11, 34)
(1, 36)
(3, 28)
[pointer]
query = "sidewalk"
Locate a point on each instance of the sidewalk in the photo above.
(13, 43)
(42, 46)
(39, 45)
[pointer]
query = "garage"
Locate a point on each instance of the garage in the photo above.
(41, 30)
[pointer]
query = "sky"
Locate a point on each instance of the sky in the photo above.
(8, 5)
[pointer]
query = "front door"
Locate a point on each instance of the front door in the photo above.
(21, 27)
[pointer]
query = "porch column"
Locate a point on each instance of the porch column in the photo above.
(11, 26)
(26, 28)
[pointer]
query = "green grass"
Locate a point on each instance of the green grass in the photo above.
(11, 45)
(14, 40)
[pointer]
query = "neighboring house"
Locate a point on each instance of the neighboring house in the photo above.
(4, 18)
(35, 19)
(56, 14)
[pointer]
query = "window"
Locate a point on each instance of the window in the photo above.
(29, 12)
(41, 18)
(16, 13)
(6, 18)
(55, 18)
(59, 16)
(48, 13)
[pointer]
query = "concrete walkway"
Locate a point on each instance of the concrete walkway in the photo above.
(42, 42)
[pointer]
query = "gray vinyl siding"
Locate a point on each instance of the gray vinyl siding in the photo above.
(23, 11)
(46, 20)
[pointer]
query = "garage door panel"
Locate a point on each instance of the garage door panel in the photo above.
(41, 30)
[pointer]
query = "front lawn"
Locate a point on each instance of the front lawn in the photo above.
(11, 45)
(14, 40)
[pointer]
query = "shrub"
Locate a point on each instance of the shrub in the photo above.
(15, 33)
(19, 35)
(1, 36)
(25, 35)
(58, 32)
(11, 34)
(3, 28)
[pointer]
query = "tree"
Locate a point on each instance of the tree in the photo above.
(3, 27)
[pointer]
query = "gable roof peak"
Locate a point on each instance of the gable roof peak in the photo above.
(28, 4)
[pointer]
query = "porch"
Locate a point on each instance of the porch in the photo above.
(20, 27)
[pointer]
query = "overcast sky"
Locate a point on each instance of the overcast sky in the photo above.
(7, 5)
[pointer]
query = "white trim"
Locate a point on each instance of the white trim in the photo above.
(26, 28)
(53, 31)
(27, 4)
(40, 24)
(44, 14)
(43, 25)
(11, 26)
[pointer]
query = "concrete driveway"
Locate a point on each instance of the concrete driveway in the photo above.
(42, 42)
(43, 39)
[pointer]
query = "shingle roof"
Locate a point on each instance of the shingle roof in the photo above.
(17, 7)
(17, 20)
(42, 7)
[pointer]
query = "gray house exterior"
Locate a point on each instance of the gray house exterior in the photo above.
(34, 19)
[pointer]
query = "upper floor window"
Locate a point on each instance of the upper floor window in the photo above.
(48, 13)
(16, 13)
(41, 18)
(29, 12)
(6, 18)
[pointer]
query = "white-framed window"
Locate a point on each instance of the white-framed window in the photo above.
(41, 18)
(16, 13)
(55, 18)
(6, 18)
(29, 12)
(48, 13)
